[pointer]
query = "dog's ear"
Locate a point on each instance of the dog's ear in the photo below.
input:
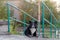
(30, 22)
(35, 22)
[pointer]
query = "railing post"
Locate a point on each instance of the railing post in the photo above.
(55, 27)
(8, 11)
(42, 20)
(24, 22)
(50, 25)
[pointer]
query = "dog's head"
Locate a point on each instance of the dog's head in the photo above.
(33, 24)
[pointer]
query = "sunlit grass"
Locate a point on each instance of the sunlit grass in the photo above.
(13, 31)
(47, 34)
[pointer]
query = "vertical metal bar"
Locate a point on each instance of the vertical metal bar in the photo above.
(58, 32)
(50, 25)
(24, 24)
(42, 20)
(55, 32)
(8, 11)
(55, 27)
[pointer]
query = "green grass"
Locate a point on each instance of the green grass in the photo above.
(12, 31)
(47, 34)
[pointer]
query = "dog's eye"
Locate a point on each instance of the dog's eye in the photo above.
(30, 22)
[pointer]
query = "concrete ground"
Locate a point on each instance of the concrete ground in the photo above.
(19, 37)
(3, 29)
(4, 36)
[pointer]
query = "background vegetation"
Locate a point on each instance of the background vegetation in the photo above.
(32, 9)
(3, 10)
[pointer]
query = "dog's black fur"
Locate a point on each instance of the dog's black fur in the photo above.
(28, 31)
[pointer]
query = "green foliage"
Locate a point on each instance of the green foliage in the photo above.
(58, 23)
(3, 10)
(12, 32)
(52, 7)
(31, 9)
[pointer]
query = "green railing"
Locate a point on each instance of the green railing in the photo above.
(26, 14)
(8, 10)
(50, 22)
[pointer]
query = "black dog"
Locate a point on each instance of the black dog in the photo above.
(31, 29)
